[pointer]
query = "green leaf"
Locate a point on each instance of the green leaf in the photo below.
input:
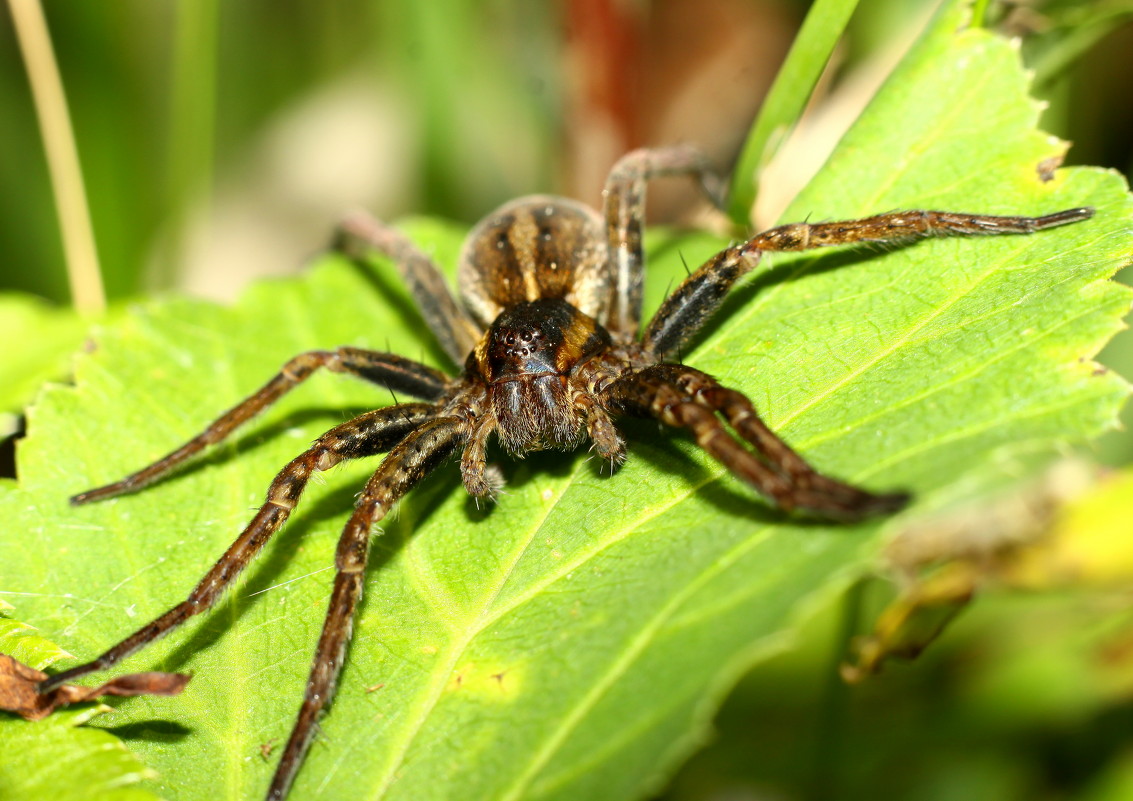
(41, 340)
(572, 641)
(19, 640)
(58, 758)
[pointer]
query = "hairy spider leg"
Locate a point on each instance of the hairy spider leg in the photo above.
(365, 435)
(624, 211)
(386, 369)
(683, 313)
(604, 437)
(410, 460)
(474, 458)
(738, 410)
(686, 398)
(453, 327)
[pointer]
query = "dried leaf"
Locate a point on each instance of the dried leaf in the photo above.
(19, 689)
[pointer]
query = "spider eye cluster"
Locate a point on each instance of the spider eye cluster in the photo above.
(541, 338)
(524, 343)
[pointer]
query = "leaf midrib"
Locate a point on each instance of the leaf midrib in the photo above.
(458, 643)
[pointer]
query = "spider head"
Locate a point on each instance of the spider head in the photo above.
(527, 359)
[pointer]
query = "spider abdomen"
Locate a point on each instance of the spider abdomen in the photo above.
(533, 248)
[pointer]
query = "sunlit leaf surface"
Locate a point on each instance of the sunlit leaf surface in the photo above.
(40, 340)
(59, 758)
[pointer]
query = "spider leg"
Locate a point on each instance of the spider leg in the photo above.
(385, 369)
(699, 295)
(687, 398)
(604, 436)
(412, 459)
(474, 459)
(625, 218)
(365, 435)
(450, 323)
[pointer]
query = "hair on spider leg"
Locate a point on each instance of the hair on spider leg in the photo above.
(497, 486)
(319, 476)
(606, 466)
(550, 347)
(497, 480)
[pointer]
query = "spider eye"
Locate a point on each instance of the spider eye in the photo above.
(501, 239)
(545, 233)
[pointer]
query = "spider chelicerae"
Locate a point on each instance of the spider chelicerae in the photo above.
(549, 336)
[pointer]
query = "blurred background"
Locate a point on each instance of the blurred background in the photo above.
(220, 142)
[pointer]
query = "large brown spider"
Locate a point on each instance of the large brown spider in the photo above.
(549, 338)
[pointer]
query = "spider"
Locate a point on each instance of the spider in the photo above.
(548, 336)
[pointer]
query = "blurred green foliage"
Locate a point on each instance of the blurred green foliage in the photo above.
(166, 97)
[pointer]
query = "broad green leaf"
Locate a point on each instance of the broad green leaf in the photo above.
(59, 758)
(572, 641)
(40, 341)
(22, 642)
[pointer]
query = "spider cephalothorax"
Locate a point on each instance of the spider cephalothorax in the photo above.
(530, 364)
(550, 338)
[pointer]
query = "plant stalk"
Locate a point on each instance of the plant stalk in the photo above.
(83, 273)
